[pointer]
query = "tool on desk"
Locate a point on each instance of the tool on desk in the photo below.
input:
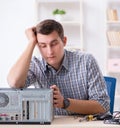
(114, 120)
(88, 118)
(102, 116)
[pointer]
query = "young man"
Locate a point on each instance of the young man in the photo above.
(77, 82)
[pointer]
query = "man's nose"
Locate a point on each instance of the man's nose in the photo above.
(49, 49)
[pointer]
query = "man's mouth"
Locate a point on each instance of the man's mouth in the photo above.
(51, 57)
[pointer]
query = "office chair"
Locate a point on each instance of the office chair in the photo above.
(111, 85)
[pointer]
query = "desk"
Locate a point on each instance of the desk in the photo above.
(66, 122)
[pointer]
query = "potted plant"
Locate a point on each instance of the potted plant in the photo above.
(58, 14)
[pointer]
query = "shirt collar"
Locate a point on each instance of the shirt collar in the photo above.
(65, 60)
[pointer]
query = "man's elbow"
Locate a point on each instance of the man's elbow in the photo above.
(13, 83)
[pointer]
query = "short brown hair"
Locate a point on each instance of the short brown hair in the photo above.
(48, 26)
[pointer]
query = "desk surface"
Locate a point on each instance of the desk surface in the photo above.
(66, 122)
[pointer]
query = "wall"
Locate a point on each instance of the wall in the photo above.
(94, 30)
(15, 17)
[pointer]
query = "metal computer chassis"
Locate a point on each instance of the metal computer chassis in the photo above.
(26, 106)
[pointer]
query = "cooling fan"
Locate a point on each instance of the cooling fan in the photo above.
(4, 100)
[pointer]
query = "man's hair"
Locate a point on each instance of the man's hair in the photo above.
(48, 26)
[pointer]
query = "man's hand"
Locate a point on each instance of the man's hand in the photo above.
(31, 35)
(57, 97)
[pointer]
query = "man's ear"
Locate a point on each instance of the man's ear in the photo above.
(65, 41)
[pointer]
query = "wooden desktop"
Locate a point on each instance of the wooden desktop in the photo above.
(65, 122)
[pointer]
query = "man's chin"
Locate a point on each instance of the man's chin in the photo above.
(51, 63)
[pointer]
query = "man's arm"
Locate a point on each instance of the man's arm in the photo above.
(18, 73)
(85, 106)
(77, 106)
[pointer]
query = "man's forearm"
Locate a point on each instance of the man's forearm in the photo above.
(85, 106)
(18, 73)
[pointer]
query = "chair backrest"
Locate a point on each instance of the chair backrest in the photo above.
(111, 85)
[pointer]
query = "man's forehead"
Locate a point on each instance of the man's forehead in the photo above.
(48, 41)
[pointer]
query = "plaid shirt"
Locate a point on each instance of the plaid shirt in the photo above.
(79, 77)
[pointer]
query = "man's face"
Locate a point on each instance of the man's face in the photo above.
(51, 48)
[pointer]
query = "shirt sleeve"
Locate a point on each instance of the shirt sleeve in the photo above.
(96, 84)
(31, 77)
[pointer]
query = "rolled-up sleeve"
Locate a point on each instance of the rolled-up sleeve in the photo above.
(96, 84)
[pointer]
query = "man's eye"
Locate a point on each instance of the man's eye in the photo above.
(42, 45)
(55, 43)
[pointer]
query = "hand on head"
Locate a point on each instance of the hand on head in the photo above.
(31, 34)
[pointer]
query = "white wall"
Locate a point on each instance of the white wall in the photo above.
(94, 30)
(17, 15)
